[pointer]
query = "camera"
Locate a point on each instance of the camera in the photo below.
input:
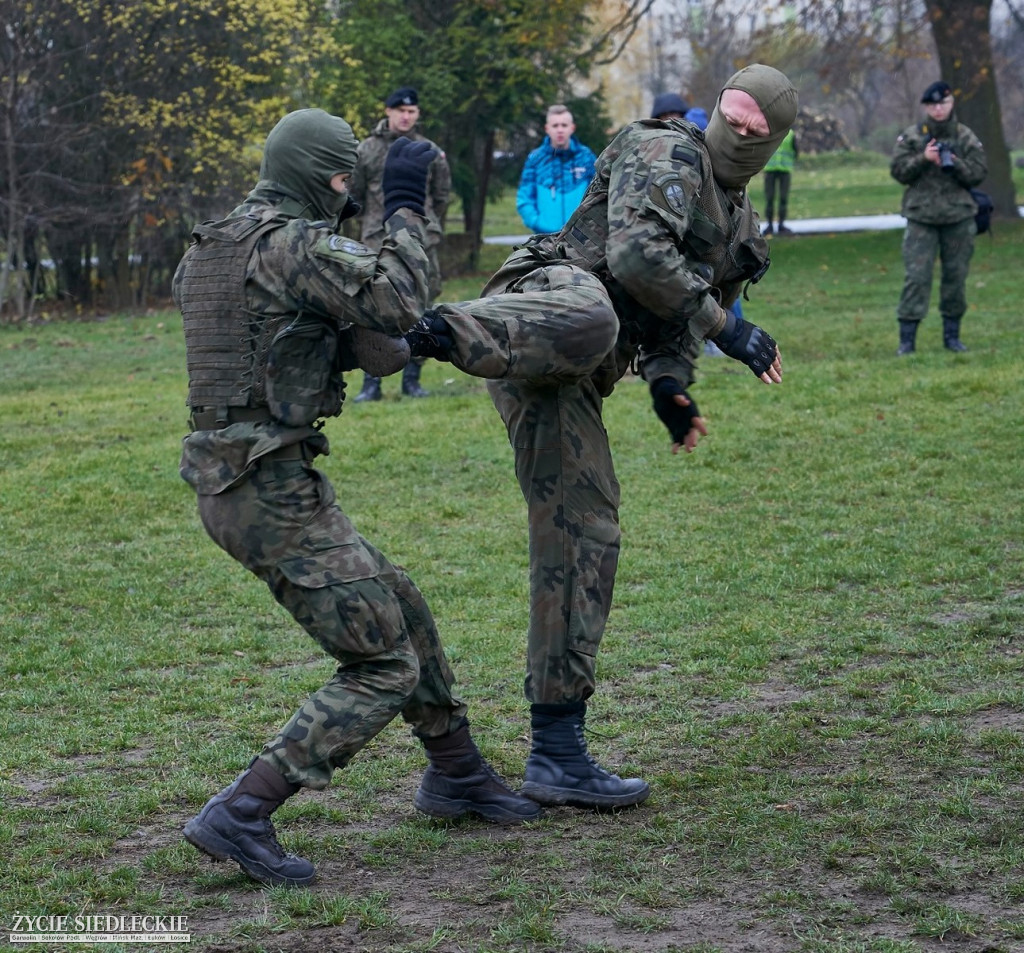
(945, 155)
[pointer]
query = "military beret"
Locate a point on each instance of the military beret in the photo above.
(937, 92)
(406, 96)
(668, 103)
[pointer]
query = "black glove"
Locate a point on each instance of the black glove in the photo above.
(350, 209)
(430, 337)
(746, 342)
(405, 176)
(679, 420)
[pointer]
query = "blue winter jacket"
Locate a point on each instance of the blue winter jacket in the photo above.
(552, 184)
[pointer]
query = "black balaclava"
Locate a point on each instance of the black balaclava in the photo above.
(302, 154)
(736, 159)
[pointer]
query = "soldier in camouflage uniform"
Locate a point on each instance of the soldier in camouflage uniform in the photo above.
(275, 304)
(402, 109)
(644, 271)
(939, 161)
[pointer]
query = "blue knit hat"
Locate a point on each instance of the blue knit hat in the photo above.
(668, 103)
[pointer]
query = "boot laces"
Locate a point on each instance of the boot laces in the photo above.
(591, 760)
(271, 837)
(494, 776)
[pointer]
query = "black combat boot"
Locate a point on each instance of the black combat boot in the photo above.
(371, 389)
(784, 229)
(908, 335)
(411, 381)
(430, 337)
(951, 335)
(458, 781)
(560, 770)
(235, 824)
(768, 229)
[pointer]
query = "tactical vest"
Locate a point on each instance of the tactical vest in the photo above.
(226, 344)
(722, 244)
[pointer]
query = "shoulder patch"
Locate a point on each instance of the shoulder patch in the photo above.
(347, 245)
(670, 193)
(358, 258)
(685, 154)
(675, 196)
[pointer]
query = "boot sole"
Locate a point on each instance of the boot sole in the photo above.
(570, 797)
(448, 809)
(213, 845)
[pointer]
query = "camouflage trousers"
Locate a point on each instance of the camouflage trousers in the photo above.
(284, 525)
(954, 244)
(548, 349)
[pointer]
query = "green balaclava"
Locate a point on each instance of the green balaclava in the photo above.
(736, 159)
(303, 152)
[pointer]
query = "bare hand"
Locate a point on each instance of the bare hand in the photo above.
(774, 373)
(697, 430)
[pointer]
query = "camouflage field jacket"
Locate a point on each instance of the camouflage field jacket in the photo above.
(671, 245)
(306, 267)
(936, 196)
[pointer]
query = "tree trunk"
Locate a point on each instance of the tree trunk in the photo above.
(964, 44)
(484, 166)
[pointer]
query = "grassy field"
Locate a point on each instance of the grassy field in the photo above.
(814, 656)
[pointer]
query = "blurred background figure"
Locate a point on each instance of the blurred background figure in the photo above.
(777, 176)
(402, 113)
(555, 176)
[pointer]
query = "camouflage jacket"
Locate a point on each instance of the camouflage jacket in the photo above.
(366, 186)
(671, 245)
(306, 268)
(935, 196)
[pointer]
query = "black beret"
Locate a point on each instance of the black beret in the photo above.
(937, 92)
(406, 96)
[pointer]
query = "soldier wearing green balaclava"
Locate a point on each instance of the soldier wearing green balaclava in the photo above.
(276, 305)
(642, 273)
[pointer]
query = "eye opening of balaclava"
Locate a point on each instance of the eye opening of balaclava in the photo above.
(303, 152)
(736, 159)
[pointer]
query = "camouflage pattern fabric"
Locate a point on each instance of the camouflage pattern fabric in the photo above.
(284, 525)
(940, 213)
(565, 471)
(552, 342)
(307, 267)
(279, 517)
(935, 196)
(366, 187)
(954, 244)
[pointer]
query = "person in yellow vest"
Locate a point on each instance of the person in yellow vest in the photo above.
(777, 175)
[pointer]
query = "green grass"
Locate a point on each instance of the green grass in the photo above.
(814, 654)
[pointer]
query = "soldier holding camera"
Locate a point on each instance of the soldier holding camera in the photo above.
(939, 161)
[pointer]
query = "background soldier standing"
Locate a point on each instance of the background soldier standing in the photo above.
(645, 269)
(402, 113)
(939, 161)
(778, 175)
(275, 302)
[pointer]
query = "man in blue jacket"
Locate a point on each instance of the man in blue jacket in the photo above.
(555, 176)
